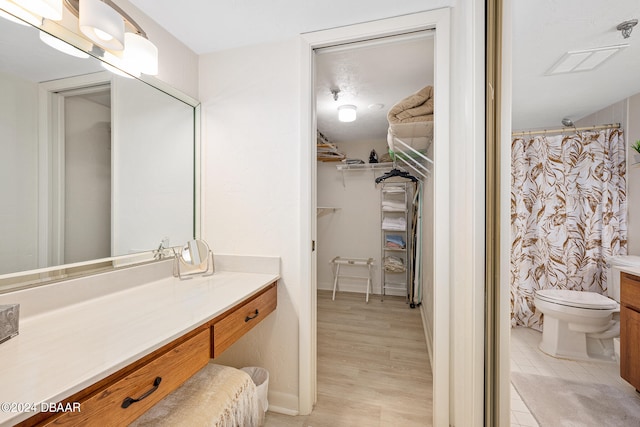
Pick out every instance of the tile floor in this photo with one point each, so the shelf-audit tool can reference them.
(527, 358)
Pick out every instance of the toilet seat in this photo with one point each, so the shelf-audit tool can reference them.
(577, 299)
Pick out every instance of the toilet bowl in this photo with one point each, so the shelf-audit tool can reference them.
(578, 325)
(582, 325)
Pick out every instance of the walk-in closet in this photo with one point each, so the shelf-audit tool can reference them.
(374, 190)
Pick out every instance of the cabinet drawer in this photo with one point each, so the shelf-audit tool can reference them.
(233, 325)
(630, 290)
(629, 346)
(173, 367)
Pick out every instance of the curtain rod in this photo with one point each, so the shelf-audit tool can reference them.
(575, 129)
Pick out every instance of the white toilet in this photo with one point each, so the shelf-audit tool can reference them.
(581, 325)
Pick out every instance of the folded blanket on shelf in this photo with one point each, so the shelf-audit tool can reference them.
(411, 120)
(417, 107)
(398, 224)
(394, 264)
(391, 204)
(394, 241)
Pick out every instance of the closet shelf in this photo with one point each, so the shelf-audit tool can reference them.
(362, 167)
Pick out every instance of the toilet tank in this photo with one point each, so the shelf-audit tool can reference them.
(613, 272)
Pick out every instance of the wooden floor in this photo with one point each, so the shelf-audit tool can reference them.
(373, 367)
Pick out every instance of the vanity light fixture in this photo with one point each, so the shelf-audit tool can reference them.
(140, 53)
(62, 46)
(50, 9)
(347, 113)
(101, 24)
(107, 25)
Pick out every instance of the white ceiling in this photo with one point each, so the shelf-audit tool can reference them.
(379, 73)
(369, 73)
(206, 26)
(543, 31)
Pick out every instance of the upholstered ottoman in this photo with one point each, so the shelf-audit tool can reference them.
(217, 395)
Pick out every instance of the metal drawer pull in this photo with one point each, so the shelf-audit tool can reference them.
(246, 319)
(129, 400)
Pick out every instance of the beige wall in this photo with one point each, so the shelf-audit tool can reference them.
(251, 138)
(633, 176)
(18, 174)
(352, 231)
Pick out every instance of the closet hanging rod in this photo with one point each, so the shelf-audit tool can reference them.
(569, 129)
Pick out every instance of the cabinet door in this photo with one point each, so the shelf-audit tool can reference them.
(630, 346)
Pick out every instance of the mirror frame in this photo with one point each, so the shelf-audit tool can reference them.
(43, 276)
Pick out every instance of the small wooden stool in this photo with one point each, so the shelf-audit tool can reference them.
(364, 262)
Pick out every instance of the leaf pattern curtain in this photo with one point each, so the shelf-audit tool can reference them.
(568, 214)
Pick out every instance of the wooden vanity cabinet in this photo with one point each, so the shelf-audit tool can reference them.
(232, 325)
(630, 329)
(103, 403)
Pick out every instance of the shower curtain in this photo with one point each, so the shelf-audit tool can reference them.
(568, 214)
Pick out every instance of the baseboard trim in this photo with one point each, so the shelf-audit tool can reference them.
(428, 333)
(283, 403)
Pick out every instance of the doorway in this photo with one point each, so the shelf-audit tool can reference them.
(76, 158)
(366, 342)
(595, 96)
(87, 174)
(438, 20)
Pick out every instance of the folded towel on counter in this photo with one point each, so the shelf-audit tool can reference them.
(394, 241)
(394, 264)
(398, 224)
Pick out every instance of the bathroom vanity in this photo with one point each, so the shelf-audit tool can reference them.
(630, 328)
(107, 355)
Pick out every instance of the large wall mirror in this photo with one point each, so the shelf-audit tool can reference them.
(93, 166)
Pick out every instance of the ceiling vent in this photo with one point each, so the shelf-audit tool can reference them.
(584, 60)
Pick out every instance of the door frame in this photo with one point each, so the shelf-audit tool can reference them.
(51, 154)
(440, 21)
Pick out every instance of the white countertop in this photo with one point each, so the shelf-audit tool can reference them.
(61, 351)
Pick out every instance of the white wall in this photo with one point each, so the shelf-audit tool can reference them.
(353, 230)
(251, 134)
(153, 149)
(18, 174)
(251, 141)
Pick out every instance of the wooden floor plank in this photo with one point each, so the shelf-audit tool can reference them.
(373, 367)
